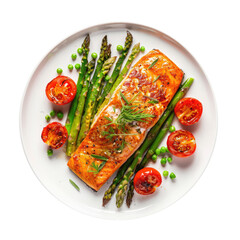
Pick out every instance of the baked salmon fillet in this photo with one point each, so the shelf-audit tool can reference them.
(113, 138)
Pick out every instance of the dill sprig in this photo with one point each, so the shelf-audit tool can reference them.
(74, 184)
(99, 157)
(156, 78)
(153, 63)
(129, 113)
(153, 100)
(96, 168)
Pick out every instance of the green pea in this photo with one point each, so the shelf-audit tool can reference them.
(119, 48)
(48, 118)
(163, 161)
(165, 173)
(59, 71)
(94, 55)
(154, 157)
(60, 115)
(77, 66)
(70, 67)
(167, 150)
(80, 51)
(163, 149)
(107, 78)
(169, 159)
(172, 129)
(172, 175)
(49, 152)
(74, 56)
(158, 151)
(142, 48)
(52, 113)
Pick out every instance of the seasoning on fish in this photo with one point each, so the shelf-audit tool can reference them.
(122, 125)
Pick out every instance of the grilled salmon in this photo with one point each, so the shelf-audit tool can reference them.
(144, 95)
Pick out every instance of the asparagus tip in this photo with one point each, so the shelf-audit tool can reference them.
(86, 40)
(105, 202)
(128, 33)
(104, 38)
(128, 202)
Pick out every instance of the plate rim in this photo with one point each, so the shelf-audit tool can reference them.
(102, 26)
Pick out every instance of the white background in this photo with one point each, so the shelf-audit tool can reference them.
(209, 30)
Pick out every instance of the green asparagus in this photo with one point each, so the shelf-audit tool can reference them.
(110, 191)
(72, 138)
(116, 71)
(107, 56)
(122, 75)
(148, 141)
(92, 98)
(83, 70)
(163, 131)
(100, 62)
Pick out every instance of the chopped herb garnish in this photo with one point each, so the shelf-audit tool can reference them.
(110, 135)
(99, 157)
(124, 98)
(153, 63)
(108, 118)
(111, 130)
(97, 168)
(128, 114)
(135, 97)
(153, 100)
(74, 184)
(123, 144)
(156, 78)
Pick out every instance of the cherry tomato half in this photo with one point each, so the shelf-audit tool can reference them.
(147, 180)
(61, 90)
(54, 135)
(188, 111)
(181, 143)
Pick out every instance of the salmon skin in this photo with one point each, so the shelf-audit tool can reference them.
(151, 84)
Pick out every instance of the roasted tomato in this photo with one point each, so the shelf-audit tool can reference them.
(147, 180)
(181, 143)
(54, 135)
(61, 90)
(188, 111)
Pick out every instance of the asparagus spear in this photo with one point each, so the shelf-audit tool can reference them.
(107, 56)
(148, 141)
(108, 52)
(72, 138)
(122, 75)
(100, 62)
(92, 98)
(156, 142)
(116, 71)
(163, 131)
(130, 193)
(108, 194)
(83, 70)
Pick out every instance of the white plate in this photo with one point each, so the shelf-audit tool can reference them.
(54, 173)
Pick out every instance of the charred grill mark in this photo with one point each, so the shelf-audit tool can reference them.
(144, 82)
(133, 73)
(152, 88)
(137, 74)
(159, 95)
(127, 84)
